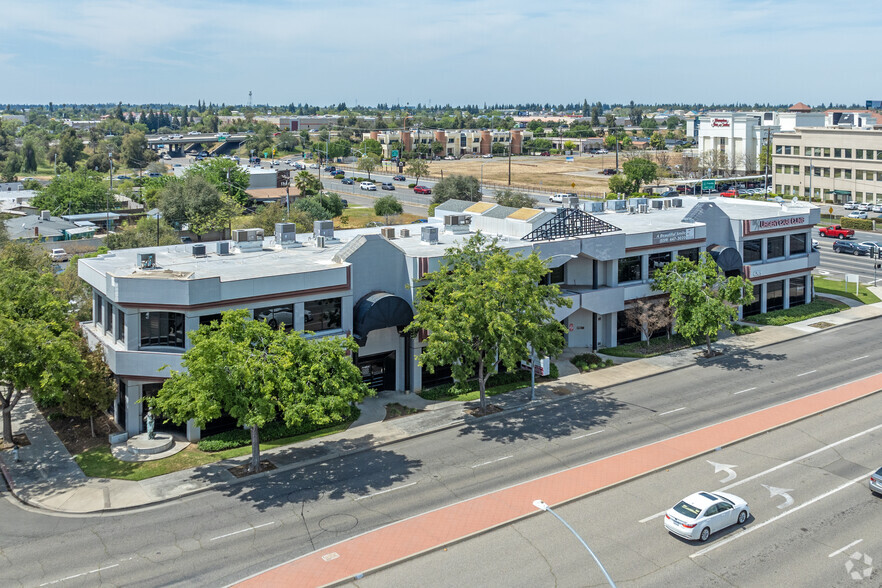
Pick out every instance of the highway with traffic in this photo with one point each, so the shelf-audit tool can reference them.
(221, 536)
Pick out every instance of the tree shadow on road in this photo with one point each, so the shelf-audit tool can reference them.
(741, 360)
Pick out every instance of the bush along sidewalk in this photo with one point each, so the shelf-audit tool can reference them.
(497, 384)
(588, 362)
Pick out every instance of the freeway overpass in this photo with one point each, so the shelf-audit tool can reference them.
(180, 143)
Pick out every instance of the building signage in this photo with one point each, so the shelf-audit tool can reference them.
(720, 122)
(772, 224)
(663, 237)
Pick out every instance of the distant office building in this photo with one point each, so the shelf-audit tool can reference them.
(455, 143)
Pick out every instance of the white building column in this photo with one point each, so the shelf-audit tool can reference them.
(134, 409)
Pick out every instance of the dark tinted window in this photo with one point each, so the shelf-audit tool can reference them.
(690, 254)
(624, 332)
(753, 250)
(207, 319)
(797, 291)
(798, 243)
(658, 261)
(322, 315)
(775, 295)
(276, 316)
(775, 247)
(754, 307)
(162, 329)
(629, 269)
(121, 317)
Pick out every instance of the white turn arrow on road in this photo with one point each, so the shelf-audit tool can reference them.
(788, 500)
(723, 467)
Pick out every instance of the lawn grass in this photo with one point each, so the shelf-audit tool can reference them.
(100, 463)
(818, 307)
(656, 346)
(828, 286)
(358, 216)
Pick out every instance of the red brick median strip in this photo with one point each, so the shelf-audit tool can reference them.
(434, 529)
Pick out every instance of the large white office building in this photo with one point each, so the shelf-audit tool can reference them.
(362, 282)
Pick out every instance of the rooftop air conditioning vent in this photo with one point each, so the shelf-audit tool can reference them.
(146, 261)
(388, 232)
(223, 247)
(429, 235)
(199, 250)
(404, 234)
(657, 204)
(320, 241)
(642, 208)
(677, 202)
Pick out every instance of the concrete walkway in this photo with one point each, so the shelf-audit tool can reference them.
(48, 477)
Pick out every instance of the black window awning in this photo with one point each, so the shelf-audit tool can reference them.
(727, 258)
(379, 310)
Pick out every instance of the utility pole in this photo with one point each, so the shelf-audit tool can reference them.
(509, 157)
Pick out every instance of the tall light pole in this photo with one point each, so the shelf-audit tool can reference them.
(509, 157)
(542, 506)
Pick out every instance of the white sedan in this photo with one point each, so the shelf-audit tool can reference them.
(700, 514)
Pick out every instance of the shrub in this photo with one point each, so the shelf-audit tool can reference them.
(411, 186)
(554, 373)
(590, 362)
(859, 224)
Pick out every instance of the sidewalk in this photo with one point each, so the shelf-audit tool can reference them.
(47, 476)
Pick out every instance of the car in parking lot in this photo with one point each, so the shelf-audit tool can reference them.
(59, 255)
(450, 157)
(851, 247)
(850, 205)
(864, 206)
(877, 207)
(419, 221)
(700, 514)
(815, 244)
(857, 214)
(370, 186)
(422, 190)
(123, 178)
(399, 178)
(876, 482)
(348, 181)
(387, 186)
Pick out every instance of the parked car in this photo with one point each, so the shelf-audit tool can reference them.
(387, 186)
(545, 154)
(487, 156)
(422, 190)
(609, 172)
(193, 133)
(700, 514)
(399, 178)
(348, 181)
(450, 157)
(815, 244)
(558, 197)
(857, 214)
(876, 482)
(123, 178)
(154, 175)
(419, 221)
(329, 168)
(850, 205)
(837, 232)
(370, 186)
(877, 207)
(851, 247)
(873, 245)
(731, 193)
(863, 206)
(670, 194)
(59, 255)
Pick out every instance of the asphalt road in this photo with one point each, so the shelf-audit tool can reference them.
(805, 484)
(217, 537)
(837, 265)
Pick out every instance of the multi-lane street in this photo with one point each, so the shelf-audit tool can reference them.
(218, 537)
(837, 265)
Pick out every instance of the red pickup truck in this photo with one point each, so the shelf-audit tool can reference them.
(837, 232)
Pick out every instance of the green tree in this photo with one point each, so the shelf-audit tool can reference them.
(704, 300)
(368, 163)
(225, 175)
(142, 234)
(74, 193)
(98, 162)
(483, 307)
(94, 391)
(265, 217)
(640, 171)
(75, 290)
(70, 148)
(307, 183)
(38, 347)
(288, 141)
(418, 168)
(514, 198)
(253, 373)
(11, 167)
(456, 187)
(656, 141)
(30, 153)
(134, 152)
(619, 184)
(196, 202)
(372, 146)
(387, 206)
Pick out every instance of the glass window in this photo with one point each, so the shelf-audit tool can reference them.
(276, 316)
(837, 172)
(847, 153)
(798, 243)
(322, 315)
(775, 247)
(556, 275)
(826, 152)
(207, 319)
(858, 153)
(774, 295)
(796, 149)
(658, 261)
(690, 254)
(753, 250)
(779, 168)
(754, 307)
(121, 321)
(817, 151)
(837, 152)
(787, 149)
(847, 173)
(797, 291)
(99, 309)
(108, 312)
(779, 149)
(630, 269)
(624, 332)
(162, 329)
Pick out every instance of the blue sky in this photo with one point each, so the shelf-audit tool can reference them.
(438, 52)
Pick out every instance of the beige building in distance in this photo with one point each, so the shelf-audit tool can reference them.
(456, 142)
(829, 164)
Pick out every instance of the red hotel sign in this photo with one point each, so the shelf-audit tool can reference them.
(719, 122)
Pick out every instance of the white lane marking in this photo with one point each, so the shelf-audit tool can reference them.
(859, 358)
(773, 491)
(805, 373)
(384, 491)
(491, 461)
(838, 551)
(670, 411)
(95, 571)
(743, 391)
(780, 516)
(779, 466)
(588, 434)
(724, 467)
(242, 531)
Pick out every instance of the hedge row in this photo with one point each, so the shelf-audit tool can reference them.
(445, 391)
(860, 224)
(269, 432)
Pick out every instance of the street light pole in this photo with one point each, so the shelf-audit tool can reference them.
(542, 506)
(509, 157)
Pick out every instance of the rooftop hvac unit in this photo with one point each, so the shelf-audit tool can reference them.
(429, 235)
(319, 241)
(248, 235)
(223, 247)
(667, 203)
(632, 209)
(323, 228)
(571, 202)
(388, 232)
(285, 233)
(404, 234)
(199, 250)
(617, 205)
(451, 219)
(677, 202)
(146, 260)
(642, 208)
(657, 204)
(45, 215)
(594, 206)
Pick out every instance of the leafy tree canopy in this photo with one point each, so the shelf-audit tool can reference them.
(640, 171)
(74, 193)
(225, 175)
(456, 187)
(196, 202)
(514, 198)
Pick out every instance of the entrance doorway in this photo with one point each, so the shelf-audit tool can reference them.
(378, 371)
